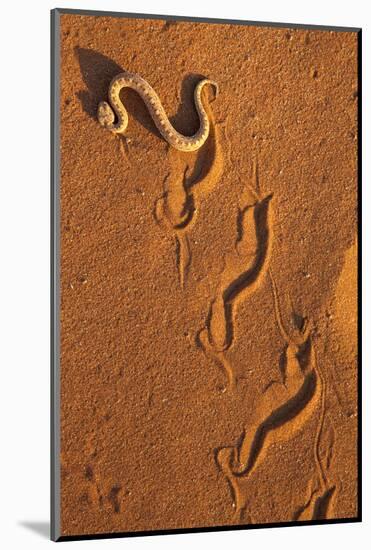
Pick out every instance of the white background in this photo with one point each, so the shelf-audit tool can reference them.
(24, 270)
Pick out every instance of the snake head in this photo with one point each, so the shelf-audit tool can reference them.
(105, 115)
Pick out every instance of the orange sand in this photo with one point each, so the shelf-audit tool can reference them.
(193, 391)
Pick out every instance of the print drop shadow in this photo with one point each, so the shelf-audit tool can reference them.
(42, 528)
(97, 71)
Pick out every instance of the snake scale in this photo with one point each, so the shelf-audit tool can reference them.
(107, 111)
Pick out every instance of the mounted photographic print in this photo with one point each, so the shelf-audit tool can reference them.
(205, 192)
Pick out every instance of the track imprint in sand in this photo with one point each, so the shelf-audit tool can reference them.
(317, 506)
(281, 411)
(244, 270)
(97, 496)
(190, 179)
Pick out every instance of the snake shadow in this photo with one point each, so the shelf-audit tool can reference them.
(97, 71)
(187, 118)
(186, 121)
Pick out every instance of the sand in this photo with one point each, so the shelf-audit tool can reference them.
(208, 299)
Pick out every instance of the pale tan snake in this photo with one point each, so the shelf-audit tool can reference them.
(107, 111)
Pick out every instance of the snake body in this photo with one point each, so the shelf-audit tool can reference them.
(107, 111)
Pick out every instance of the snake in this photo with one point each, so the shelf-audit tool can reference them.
(109, 112)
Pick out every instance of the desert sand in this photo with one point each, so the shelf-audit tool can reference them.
(208, 298)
